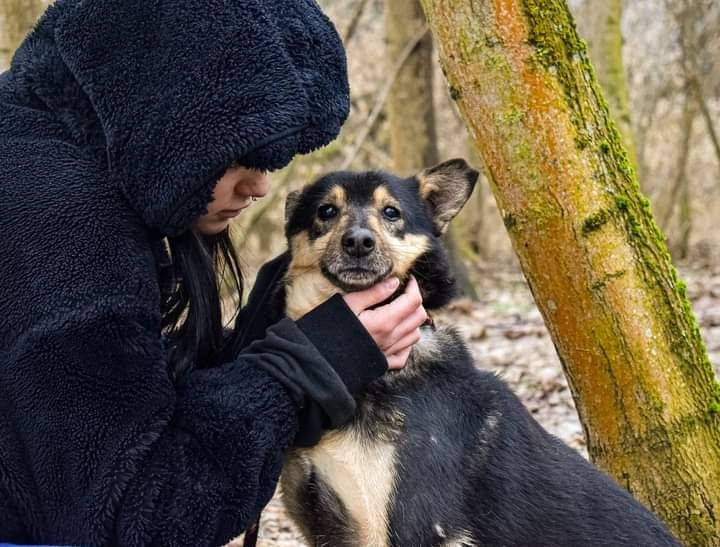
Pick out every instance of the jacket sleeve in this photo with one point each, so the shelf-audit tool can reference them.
(116, 453)
(107, 439)
(329, 327)
(120, 455)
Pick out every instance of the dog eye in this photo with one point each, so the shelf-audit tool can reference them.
(391, 213)
(326, 212)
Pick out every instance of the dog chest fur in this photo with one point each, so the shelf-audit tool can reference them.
(361, 473)
(358, 464)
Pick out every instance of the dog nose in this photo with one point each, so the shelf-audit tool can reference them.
(358, 242)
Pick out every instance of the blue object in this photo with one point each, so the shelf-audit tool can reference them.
(26, 545)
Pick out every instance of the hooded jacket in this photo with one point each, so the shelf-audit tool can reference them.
(117, 118)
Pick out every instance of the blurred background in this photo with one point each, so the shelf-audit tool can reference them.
(658, 59)
(658, 62)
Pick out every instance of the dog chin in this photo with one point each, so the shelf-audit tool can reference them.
(355, 279)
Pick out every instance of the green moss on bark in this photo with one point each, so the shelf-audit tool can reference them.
(595, 221)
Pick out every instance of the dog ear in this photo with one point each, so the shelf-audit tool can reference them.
(446, 187)
(291, 202)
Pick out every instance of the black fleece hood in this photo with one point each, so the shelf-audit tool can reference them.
(180, 90)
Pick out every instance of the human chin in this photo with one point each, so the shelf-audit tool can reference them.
(209, 225)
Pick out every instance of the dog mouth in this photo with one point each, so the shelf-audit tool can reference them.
(356, 278)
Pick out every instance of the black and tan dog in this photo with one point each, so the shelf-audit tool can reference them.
(439, 453)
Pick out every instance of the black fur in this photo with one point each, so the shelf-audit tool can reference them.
(471, 466)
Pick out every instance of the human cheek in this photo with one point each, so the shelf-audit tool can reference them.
(222, 199)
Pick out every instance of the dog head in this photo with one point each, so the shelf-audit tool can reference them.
(355, 229)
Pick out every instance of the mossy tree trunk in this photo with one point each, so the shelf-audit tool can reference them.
(592, 254)
(599, 25)
(17, 17)
(413, 138)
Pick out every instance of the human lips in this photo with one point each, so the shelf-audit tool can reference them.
(230, 213)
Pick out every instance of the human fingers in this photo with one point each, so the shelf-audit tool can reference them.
(399, 359)
(388, 337)
(405, 342)
(388, 323)
(412, 322)
(387, 334)
(359, 301)
(403, 306)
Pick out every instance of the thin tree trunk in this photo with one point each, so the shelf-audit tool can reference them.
(599, 25)
(707, 117)
(685, 220)
(691, 42)
(354, 20)
(681, 188)
(17, 17)
(478, 229)
(593, 256)
(689, 113)
(413, 139)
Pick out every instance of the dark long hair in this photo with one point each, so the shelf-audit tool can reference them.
(191, 285)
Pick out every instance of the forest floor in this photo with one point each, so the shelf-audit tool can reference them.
(507, 335)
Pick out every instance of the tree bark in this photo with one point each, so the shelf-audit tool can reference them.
(16, 18)
(593, 256)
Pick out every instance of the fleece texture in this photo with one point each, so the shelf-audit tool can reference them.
(325, 409)
(117, 117)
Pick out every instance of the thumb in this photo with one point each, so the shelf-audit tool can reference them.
(361, 300)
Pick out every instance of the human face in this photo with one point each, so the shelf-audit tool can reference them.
(233, 193)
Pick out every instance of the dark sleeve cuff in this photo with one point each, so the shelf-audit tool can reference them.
(342, 340)
(321, 395)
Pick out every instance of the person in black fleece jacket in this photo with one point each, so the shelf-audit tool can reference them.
(117, 120)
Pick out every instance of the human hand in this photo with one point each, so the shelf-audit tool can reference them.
(395, 327)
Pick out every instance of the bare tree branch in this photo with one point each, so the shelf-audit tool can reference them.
(382, 96)
(354, 20)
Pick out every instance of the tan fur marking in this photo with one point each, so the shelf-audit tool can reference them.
(403, 251)
(428, 184)
(306, 287)
(362, 475)
(406, 251)
(383, 198)
(307, 293)
(337, 196)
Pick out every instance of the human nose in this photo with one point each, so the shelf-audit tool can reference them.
(256, 185)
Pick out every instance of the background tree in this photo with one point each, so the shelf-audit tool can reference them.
(595, 260)
(16, 18)
(692, 40)
(599, 25)
(411, 111)
(679, 194)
